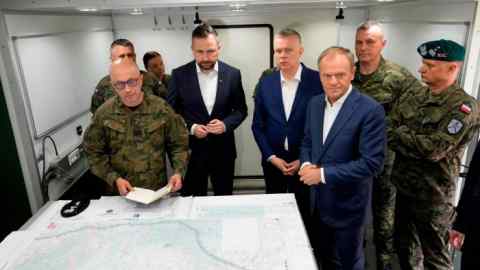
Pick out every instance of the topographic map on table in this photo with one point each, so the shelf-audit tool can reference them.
(247, 232)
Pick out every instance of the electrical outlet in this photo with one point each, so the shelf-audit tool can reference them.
(73, 156)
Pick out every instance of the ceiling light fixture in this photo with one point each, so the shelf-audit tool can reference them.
(197, 17)
(238, 7)
(340, 14)
(340, 6)
(136, 11)
(87, 9)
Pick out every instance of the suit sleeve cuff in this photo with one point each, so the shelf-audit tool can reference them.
(224, 127)
(305, 164)
(192, 129)
(322, 175)
(269, 159)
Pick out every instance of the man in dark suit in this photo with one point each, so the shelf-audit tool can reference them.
(279, 118)
(467, 224)
(209, 95)
(343, 149)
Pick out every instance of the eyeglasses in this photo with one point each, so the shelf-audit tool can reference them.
(121, 85)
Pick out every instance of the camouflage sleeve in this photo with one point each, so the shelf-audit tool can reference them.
(98, 99)
(166, 80)
(177, 142)
(152, 86)
(95, 146)
(453, 130)
(393, 120)
(401, 82)
(403, 91)
(161, 91)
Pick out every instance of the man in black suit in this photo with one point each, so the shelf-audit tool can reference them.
(467, 224)
(209, 95)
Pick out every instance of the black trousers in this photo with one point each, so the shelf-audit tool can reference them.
(470, 251)
(276, 182)
(219, 170)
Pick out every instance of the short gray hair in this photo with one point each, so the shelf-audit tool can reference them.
(369, 24)
(334, 50)
(289, 32)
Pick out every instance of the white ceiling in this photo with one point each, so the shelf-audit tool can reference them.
(188, 6)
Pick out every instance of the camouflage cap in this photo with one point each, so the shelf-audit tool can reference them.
(442, 50)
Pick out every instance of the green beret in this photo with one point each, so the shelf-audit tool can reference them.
(442, 50)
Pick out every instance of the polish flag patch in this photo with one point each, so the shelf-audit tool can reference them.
(465, 109)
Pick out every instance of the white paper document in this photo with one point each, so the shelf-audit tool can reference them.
(147, 196)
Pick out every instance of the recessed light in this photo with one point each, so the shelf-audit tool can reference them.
(340, 4)
(87, 9)
(386, 0)
(136, 11)
(237, 7)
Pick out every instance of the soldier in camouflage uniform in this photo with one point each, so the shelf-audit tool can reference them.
(384, 81)
(122, 48)
(153, 63)
(430, 128)
(130, 134)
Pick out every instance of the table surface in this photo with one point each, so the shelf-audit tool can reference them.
(222, 232)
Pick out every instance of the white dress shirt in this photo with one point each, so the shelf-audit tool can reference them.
(208, 82)
(289, 91)
(331, 112)
(208, 86)
(329, 116)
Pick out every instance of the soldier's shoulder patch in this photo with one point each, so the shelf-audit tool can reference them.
(454, 126)
(466, 109)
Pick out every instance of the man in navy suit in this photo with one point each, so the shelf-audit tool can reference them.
(209, 95)
(279, 118)
(343, 149)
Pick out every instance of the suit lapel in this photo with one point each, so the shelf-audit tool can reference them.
(321, 115)
(277, 96)
(299, 96)
(197, 92)
(221, 94)
(343, 116)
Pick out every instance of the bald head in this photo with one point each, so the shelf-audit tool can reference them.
(125, 65)
(127, 81)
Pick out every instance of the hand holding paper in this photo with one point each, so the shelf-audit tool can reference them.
(147, 196)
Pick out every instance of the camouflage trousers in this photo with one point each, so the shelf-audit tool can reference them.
(422, 233)
(383, 206)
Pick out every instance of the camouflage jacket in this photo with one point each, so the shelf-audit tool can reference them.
(163, 86)
(104, 89)
(386, 84)
(429, 134)
(166, 80)
(133, 144)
